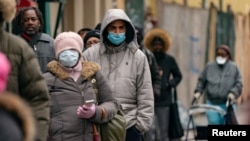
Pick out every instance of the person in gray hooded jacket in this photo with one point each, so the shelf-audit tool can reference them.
(127, 71)
(221, 81)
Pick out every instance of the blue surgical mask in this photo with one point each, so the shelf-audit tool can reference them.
(69, 58)
(116, 39)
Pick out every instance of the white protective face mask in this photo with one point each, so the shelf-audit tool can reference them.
(69, 58)
(220, 60)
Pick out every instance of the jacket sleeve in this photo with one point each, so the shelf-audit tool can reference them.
(201, 81)
(105, 99)
(156, 79)
(177, 76)
(145, 97)
(237, 89)
(34, 89)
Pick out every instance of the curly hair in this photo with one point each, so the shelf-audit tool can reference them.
(7, 10)
(20, 14)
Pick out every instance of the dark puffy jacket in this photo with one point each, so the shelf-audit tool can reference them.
(167, 64)
(26, 79)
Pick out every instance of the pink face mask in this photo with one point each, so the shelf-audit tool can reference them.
(4, 71)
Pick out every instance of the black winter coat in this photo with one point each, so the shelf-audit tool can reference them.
(170, 68)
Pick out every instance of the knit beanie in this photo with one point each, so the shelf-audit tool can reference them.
(66, 41)
(93, 33)
(4, 71)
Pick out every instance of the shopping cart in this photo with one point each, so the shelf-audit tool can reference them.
(199, 131)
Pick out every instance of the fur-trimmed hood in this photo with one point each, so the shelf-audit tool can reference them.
(157, 32)
(88, 69)
(14, 104)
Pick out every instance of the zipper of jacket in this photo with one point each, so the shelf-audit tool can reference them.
(35, 49)
(109, 66)
(80, 88)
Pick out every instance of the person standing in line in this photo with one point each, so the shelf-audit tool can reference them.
(153, 133)
(158, 41)
(25, 78)
(98, 26)
(126, 69)
(221, 81)
(31, 23)
(70, 85)
(91, 38)
(16, 119)
(82, 32)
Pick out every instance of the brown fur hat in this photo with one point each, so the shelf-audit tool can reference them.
(88, 69)
(160, 33)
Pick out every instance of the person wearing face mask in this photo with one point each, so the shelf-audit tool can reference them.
(220, 81)
(70, 85)
(158, 41)
(126, 69)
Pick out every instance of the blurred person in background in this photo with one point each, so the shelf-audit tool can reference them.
(221, 81)
(82, 32)
(91, 38)
(70, 84)
(126, 69)
(98, 26)
(158, 41)
(153, 133)
(16, 119)
(25, 78)
(31, 23)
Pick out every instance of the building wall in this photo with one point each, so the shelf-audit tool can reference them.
(88, 13)
(238, 6)
(79, 14)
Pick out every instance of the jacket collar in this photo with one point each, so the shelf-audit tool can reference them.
(88, 69)
(131, 46)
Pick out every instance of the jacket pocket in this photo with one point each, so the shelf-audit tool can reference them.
(55, 127)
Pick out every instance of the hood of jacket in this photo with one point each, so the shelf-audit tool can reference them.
(14, 104)
(88, 69)
(157, 32)
(119, 14)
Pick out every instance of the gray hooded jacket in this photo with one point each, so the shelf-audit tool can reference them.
(127, 72)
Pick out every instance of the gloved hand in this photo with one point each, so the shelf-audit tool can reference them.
(197, 95)
(231, 96)
(85, 111)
